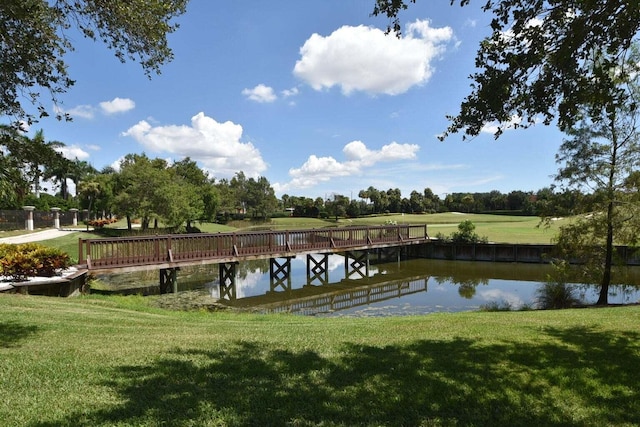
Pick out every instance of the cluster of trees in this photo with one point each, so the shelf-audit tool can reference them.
(142, 189)
(27, 163)
(175, 194)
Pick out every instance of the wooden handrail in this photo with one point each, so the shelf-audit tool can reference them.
(159, 249)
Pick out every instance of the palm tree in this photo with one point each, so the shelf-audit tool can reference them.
(90, 189)
(58, 169)
(80, 170)
(41, 160)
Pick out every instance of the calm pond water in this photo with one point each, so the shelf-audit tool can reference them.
(390, 289)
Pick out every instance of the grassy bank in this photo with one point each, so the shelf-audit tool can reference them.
(93, 361)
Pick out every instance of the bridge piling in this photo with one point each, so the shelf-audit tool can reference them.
(318, 270)
(227, 274)
(169, 280)
(280, 274)
(359, 265)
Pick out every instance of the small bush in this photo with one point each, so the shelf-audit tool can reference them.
(442, 237)
(556, 296)
(466, 234)
(100, 223)
(556, 293)
(19, 262)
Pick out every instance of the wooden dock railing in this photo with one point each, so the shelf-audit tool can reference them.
(114, 253)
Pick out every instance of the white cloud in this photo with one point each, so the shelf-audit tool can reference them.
(216, 146)
(72, 152)
(365, 59)
(116, 165)
(260, 93)
(356, 150)
(117, 105)
(508, 36)
(290, 92)
(86, 111)
(321, 169)
(493, 127)
(79, 111)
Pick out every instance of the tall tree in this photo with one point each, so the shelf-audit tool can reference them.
(40, 159)
(35, 38)
(260, 197)
(137, 187)
(602, 156)
(337, 206)
(204, 203)
(416, 202)
(544, 60)
(239, 188)
(90, 190)
(394, 199)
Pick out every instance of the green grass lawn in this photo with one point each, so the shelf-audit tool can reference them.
(117, 361)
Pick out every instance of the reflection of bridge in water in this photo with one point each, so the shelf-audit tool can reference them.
(326, 297)
(312, 299)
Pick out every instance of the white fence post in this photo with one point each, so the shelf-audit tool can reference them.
(28, 222)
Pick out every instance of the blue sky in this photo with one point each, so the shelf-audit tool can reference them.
(309, 94)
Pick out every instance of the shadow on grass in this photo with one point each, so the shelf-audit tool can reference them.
(574, 377)
(11, 333)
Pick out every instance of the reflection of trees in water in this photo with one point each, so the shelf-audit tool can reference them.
(246, 268)
(466, 285)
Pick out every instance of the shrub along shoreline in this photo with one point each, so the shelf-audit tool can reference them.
(93, 361)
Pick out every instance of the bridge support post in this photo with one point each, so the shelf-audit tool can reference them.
(359, 264)
(227, 273)
(390, 254)
(169, 280)
(280, 274)
(318, 270)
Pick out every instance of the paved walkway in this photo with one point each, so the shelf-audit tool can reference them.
(38, 236)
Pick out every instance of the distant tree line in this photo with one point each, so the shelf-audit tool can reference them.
(544, 202)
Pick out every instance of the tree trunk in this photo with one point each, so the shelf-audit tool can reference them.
(129, 227)
(64, 192)
(603, 298)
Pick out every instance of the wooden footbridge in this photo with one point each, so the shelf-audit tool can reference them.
(167, 253)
